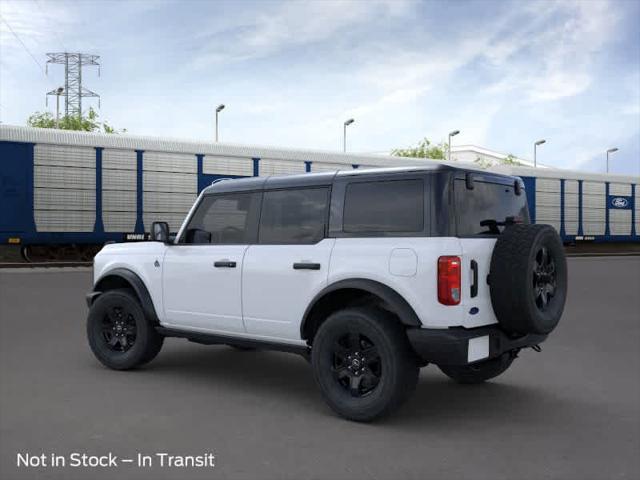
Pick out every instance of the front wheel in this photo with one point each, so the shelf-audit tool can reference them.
(478, 372)
(363, 363)
(119, 334)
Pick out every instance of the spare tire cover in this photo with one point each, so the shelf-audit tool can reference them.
(528, 279)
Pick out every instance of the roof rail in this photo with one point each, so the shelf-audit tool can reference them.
(220, 180)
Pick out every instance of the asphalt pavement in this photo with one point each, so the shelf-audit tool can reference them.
(569, 412)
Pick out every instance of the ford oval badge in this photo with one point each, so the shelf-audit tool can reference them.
(619, 202)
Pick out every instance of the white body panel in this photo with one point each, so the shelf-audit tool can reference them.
(264, 297)
(274, 295)
(140, 258)
(375, 259)
(198, 295)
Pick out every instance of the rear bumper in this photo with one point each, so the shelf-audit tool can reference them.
(461, 346)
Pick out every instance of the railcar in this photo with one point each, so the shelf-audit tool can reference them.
(582, 206)
(65, 192)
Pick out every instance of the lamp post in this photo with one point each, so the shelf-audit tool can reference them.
(59, 91)
(451, 134)
(344, 133)
(535, 151)
(611, 150)
(219, 108)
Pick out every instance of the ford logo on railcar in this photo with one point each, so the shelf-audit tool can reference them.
(619, 202)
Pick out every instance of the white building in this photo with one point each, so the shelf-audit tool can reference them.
(484, 156)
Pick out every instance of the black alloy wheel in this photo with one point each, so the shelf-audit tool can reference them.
(119, 328)
(363, 363)
(357, 366)
(544, 278)
(119, 333)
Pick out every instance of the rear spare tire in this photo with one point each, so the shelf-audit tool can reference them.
(528, 279)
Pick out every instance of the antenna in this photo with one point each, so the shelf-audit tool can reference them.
(74, 92)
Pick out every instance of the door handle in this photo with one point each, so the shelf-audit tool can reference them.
(306, 266)
(474, 284)
(224, 264)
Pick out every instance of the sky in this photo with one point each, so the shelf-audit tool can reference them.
(503, 73)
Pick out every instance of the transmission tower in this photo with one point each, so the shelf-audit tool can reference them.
(73, 92)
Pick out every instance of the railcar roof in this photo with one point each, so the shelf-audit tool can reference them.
(13, 133)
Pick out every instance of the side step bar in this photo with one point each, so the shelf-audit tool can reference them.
(213, 339)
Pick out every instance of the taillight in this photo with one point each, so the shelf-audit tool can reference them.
(449, 280)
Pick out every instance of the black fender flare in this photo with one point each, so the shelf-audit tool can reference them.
(137, 286)
(389, 296)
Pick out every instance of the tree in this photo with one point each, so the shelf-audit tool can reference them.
(424, 149)
(508, 160)
(88, 123)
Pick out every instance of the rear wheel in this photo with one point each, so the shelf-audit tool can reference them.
(478, 372)
(363, 363)
(119, 334)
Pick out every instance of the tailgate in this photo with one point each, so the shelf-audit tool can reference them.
(476, 297)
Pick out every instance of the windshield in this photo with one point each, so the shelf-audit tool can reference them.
(487, 201)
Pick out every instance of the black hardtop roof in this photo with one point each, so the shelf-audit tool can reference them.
(224, 185)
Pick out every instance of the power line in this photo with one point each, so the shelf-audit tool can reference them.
(54, 32)
(23, 45)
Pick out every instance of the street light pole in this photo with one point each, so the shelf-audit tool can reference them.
(535, 152)
(59, 91)
(451, 134)
(219, 108)
(611, 150)
(344, 133)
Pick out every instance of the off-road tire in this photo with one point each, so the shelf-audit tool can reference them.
(396, 363)
(478, 372)
(121, 308)
(528, 293)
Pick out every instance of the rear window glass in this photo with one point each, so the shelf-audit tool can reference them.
(487, 201)
(392, 206)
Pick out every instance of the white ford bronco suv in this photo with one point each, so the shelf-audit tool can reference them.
(369, 274)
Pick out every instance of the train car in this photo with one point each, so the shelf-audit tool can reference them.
(582, 206)
(65, 190)
(68, 193)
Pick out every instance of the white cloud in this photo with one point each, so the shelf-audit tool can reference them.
(559, 45)
(289, 24)
(38, 25)
(292, 72)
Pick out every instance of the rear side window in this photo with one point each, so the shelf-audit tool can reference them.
(487, 201)
(226, 218)
(391, 206)
(294, 216)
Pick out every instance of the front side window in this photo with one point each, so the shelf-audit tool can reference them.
(294, 216)
(487, 201)
(389, 206)
(223, 219)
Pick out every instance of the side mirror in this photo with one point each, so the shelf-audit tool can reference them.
(160, 232)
